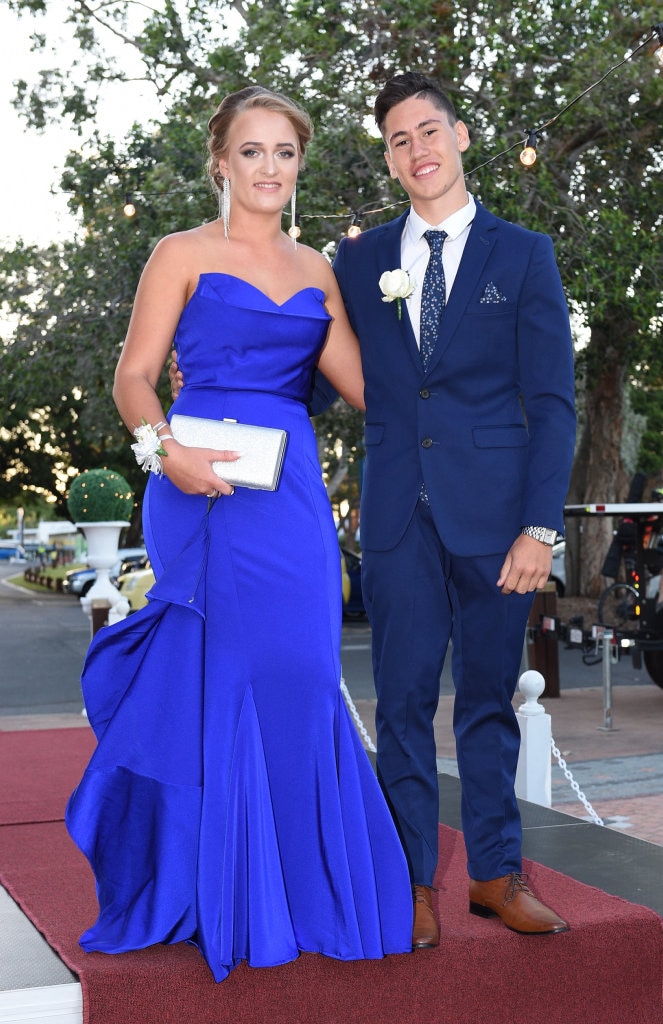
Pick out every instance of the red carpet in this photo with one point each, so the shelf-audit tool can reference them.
(38, 771)
(606, 970)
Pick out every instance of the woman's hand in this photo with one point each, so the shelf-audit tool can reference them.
(190, 469)
(175, 376)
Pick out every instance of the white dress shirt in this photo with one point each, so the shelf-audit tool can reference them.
(415, 252)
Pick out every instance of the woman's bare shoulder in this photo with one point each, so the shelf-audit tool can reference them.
(188, 242)
(317, 266)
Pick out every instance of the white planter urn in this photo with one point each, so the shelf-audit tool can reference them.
(102, 547)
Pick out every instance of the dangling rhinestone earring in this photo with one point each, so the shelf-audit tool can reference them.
(225, 206)
(294, 230)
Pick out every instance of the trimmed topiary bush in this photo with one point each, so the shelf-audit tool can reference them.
(100, 495)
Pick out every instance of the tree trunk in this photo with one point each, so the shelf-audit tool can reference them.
(598, 473)
(338, 478)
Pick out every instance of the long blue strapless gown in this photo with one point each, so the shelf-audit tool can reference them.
(229, 801)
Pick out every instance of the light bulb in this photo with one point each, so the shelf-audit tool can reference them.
(295, 231)
(129, 210)
(355, 228)
(528, 155)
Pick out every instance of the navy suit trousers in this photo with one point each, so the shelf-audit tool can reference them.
(419, 598)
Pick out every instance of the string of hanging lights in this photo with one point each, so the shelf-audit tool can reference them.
(528, 154)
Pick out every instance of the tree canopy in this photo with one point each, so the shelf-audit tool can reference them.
(510, 67)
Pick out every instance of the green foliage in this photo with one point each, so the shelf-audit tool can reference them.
(100, 495)
(648, 401)
(509, 65)
(35, 510)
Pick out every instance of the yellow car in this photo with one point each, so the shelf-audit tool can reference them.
(345, 580)
(135, 585)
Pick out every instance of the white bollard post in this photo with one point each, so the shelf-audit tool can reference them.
(534, 766)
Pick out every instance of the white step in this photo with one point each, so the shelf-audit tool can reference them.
(36, 987)
(54, 1004)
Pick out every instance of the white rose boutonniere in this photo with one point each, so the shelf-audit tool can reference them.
(396, 285)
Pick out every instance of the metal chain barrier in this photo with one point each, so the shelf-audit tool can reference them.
(555, 749)
(355, 714)
(574, 785)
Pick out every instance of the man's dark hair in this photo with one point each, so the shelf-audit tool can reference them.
(402, 87)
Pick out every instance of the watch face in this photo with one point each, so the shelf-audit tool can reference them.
(541, 533)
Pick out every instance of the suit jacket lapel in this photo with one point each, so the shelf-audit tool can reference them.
(478, 247)
(389, 258)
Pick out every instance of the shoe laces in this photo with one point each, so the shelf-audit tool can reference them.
(516, 883)
(417, 893)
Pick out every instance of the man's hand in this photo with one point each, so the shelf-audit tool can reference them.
(175, 376)
(526, 567)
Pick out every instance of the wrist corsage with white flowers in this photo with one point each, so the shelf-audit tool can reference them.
(148, 448)
(396, 285)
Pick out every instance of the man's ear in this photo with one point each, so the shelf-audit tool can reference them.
(462, 135)
(391, 167)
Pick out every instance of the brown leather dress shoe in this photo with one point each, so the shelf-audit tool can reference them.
(512, 900)
(425, 931)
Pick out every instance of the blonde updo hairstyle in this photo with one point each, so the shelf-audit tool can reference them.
(255, 96)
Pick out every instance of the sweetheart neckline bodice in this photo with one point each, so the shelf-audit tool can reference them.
(255, 288)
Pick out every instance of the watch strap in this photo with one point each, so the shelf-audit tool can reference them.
(542, 533)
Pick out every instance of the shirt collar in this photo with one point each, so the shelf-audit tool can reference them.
(453, 225)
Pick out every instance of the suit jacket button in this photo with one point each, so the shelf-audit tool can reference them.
(424, 393)
(427, 442)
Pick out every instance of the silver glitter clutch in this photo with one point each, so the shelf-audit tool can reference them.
(261, 448)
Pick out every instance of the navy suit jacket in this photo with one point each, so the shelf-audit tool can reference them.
(490, 426)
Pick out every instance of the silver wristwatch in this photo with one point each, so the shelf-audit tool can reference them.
(542, 533)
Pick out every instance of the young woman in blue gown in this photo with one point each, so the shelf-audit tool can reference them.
(229, 802)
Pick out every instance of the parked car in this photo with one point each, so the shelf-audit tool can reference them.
(8, 549)
(558, 570)
(132, 563)
(353, 604)
(135, 585)
(79, 581)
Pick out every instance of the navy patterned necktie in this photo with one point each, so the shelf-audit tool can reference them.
(432, 296)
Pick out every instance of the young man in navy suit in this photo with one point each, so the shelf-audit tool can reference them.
(466, 474)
